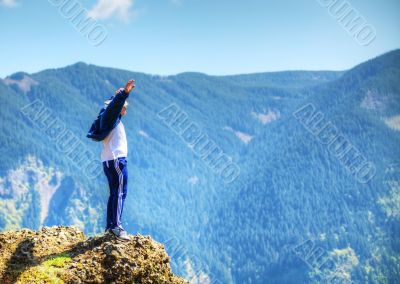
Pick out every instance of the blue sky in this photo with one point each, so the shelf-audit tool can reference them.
(215, 37)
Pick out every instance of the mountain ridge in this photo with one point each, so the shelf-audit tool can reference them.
(289, 185)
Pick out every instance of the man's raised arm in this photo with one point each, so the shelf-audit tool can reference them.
(113, 110)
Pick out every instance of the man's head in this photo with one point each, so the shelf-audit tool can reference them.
(123, 111)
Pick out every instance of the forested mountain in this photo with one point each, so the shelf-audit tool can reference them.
(316, 153)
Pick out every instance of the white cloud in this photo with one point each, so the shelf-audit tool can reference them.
(8, 3)
(105, 9)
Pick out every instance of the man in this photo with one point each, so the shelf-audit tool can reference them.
(109, 129)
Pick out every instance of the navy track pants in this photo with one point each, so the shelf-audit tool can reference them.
(116, 172)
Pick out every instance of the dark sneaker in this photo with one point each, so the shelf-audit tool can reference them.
(120, 234)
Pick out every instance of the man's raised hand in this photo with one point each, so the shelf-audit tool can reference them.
(129, 86)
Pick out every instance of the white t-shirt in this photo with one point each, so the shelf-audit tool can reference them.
(115, 144)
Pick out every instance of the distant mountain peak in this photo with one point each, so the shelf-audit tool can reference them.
(22, 80)
(80, 64)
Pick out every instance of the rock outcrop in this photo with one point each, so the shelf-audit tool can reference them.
(64, 255)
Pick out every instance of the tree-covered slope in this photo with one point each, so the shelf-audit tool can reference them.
(300, 187)
(293, 185)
